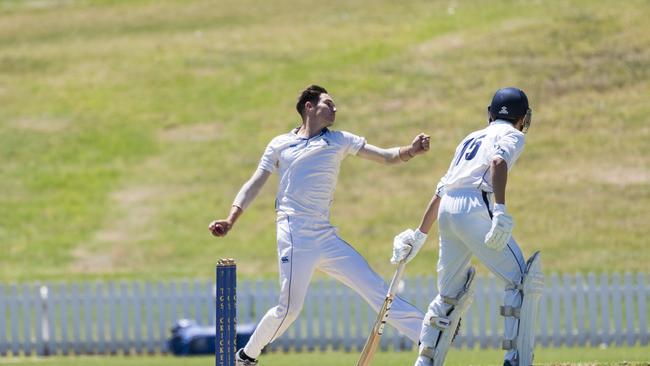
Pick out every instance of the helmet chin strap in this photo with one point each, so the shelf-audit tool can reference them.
(489, 115)
(528, 118)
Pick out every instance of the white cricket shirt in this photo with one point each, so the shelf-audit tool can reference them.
(471, 164)
(308, 169)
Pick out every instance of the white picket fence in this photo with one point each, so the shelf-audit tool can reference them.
(136, 317)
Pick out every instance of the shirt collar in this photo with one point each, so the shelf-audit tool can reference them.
(294, 132)
(501, 122)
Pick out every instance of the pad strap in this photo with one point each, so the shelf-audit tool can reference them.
(508, 344)
(440, 322)
(427, 352)
(510, 311)
(512, 286)
(452, 300)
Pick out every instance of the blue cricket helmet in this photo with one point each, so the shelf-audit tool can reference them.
(509, 103)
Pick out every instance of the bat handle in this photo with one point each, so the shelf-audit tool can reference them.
(396, 278)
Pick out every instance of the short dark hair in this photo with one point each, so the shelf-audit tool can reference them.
(310, 94)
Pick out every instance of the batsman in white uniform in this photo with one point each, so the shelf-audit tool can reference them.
(469, 205)
(307, 160)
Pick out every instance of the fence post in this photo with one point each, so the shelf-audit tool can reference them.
(580, 309)
(112, 323)
(335, 321)
(137, 318)
(62, 297)
(629, 310)
(76, 324)
(161, 301)
(173, 302)
(45, 322)
(568, 310)
(543, 318)
(604, 303)
(125, 343)
(345, 295)
(13, 316)
(293, 339)
(309, 337)
(26, 304)
(359, 339)
(3, 325)
(593, 309)
(555, 306)
(321, 317)
(88, 319)
(148, 308)
(184, 297)
(617, 298)
(641, 298)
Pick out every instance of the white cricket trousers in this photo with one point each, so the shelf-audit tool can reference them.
(305, 245)
(464, 218)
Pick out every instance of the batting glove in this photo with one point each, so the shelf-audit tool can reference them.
(407, 244)
(499, 235)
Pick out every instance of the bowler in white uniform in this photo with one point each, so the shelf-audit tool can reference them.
(307, 160)
(469, 205)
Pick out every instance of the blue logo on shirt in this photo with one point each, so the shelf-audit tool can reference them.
(285, 259)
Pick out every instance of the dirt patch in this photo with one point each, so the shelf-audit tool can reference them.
(114, 244)
(47, 4)
(455, 40)
(192, 133)
(41, 124)
(619, 176)
(444, 42)
(623, 176)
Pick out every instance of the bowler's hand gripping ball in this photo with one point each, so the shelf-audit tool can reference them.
(219, 230)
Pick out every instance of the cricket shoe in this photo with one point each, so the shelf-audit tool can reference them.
(240, 361)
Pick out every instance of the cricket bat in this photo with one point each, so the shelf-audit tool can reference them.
(372, 343)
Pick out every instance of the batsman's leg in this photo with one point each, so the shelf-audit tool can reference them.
(508, 264)
(531, 289)
(524, 285)
(454, 281)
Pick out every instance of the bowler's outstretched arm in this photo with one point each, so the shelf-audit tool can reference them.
(246, 195)
(395, 155)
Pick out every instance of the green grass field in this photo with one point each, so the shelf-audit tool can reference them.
(463, 357)
(127, 126)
